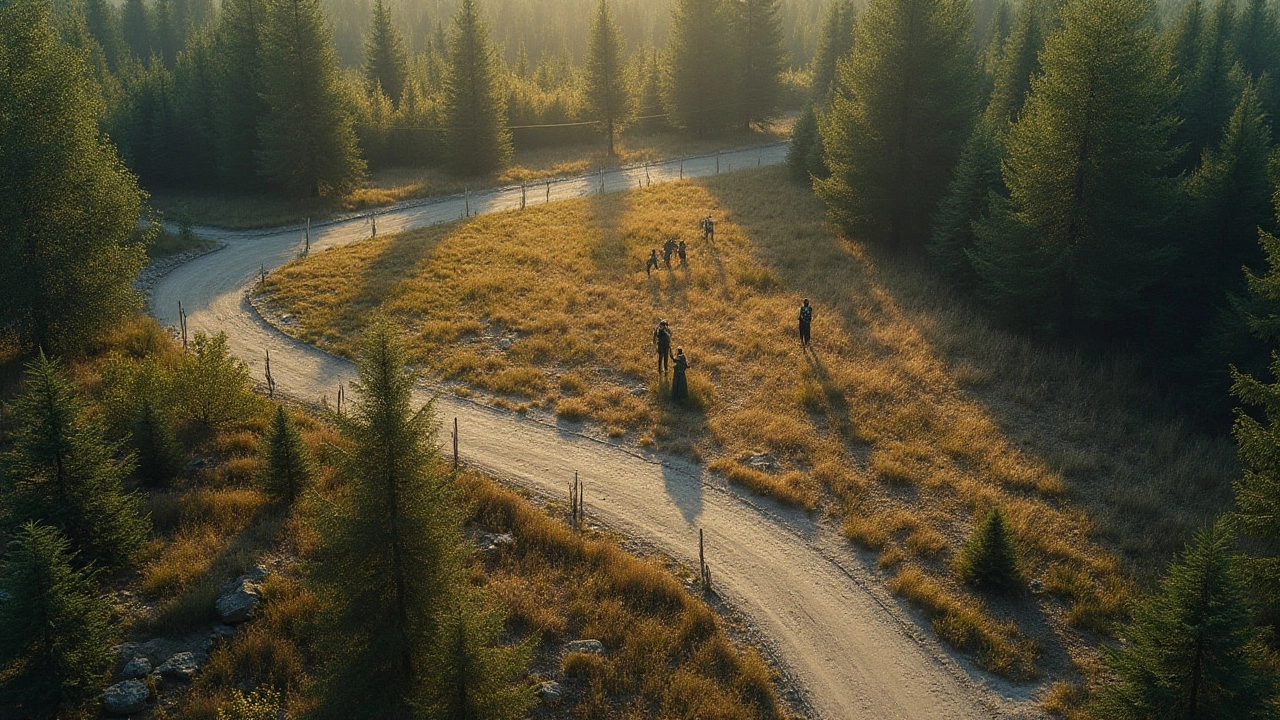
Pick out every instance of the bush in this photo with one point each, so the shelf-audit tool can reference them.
(261, 704)
(158, 453)
(212, 388)
(989, 558)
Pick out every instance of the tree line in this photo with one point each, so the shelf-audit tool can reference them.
(1095, 177)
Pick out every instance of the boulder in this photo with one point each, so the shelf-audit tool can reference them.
(585, 646)
(238, 603)
(125, 698)
(136, 669)
(551, 692)
(763, 462)
(179, 667)
(490, 542)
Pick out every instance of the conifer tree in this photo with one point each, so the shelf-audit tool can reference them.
(804, 138)
(53, 625)
(1203, 57)
(391, 557)
(308, 137)
(1191, 650)
(1087, 173)
(158, 453)
(698, 87)
(62, 471)
(608, 100)
(135, 24)
(475, 109)
(287, 470)
(989, 558)
(386, 62)
(977, 176)
(165, 33)
(481, 675)
(68, 254)
(241, 106)
(1257, 40)
(760, 58)
(651, 108)
(103, 22)
(1258, 490)
(904, 107)
(1019, 61)
(835, 42)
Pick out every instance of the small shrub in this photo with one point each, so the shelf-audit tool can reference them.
(261, 704)
(285, 469)
(212, 388)
(758, 278)
(989, 558)
(572, 409)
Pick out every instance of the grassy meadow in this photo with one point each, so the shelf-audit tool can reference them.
(392, 185)
(909, 420)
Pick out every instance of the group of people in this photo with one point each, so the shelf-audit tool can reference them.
(669, 248)
(679, 380)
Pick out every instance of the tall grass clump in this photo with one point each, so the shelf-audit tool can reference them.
(989, 558)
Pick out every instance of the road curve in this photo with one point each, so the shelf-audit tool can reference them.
(844, 644)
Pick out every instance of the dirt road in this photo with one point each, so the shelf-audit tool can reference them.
(846, 645)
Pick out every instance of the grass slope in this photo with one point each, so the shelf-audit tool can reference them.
(910, 420)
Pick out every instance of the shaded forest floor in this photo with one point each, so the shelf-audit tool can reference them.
(392, 185)
(911, 418)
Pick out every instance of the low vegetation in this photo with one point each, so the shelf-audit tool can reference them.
(912, 418)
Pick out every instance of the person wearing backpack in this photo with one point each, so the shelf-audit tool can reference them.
(806, 322)
(662, 338)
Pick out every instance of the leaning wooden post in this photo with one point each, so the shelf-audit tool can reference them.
(182, 325)
(308, 235)
(455, 443)
(522, 196)
(466, 194)
(271, 383)
(548, 191)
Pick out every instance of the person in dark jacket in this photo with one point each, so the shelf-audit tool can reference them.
(662, 338)
(652, 263)
(682, 251)
(668, 249)
(806, 322)
(679, 383)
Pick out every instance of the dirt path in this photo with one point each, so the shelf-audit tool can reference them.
(848, 647)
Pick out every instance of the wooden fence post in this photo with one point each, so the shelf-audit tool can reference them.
(455, 443)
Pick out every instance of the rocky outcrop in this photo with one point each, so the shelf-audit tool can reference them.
(585, 646)
(182, 667)
(551, 692)
(136, 669)
(125, 698)
(241, 597)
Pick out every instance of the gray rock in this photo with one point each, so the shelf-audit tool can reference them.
(490, 542)
(763, 462)
(237, 604)
(179, 667)
(504, 344)
(585, 646)
(154, 648)
(125, 651)
(125, 698)
(136, 669)
(551, 692)
(196, 464)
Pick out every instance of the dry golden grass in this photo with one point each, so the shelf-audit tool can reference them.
(393, 185)
(913, 417)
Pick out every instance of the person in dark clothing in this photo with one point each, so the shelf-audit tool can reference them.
(652, 263)
(806, 321)
(682, 251)
(679, 383)
(668, 249)
(662, 338)
(708, 229)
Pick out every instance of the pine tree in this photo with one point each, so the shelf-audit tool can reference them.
(135, 24)
(62, 471)
(54, 627)
(977, 176)
(804, 138)
(989, 558)
(651, 108)
(308, 137)
(835, 42)
(103, 23)
(391, 557)
(1257, 40)
(475, 109)
(67, 251)
(158, 453)
(479, 675)
(1202, 56)
(1087, 172)
(386, 62)
(698, 86)
(1191, 650)
(241, 106)
(760, 58)
(1019, 61)
(902, 113)
(166, 38)
(1258, 490)
(287, 470)
(608, 100)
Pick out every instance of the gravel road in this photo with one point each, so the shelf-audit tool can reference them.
(849, 649)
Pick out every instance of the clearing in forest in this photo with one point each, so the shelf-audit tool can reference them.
(909, 420)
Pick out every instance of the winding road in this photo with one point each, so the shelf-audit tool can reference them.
(849, 649)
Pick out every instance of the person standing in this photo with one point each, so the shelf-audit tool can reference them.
(680, 383)
(668, 249)
(806, 322)
(652, 263)
(662, 338)
(682, 250)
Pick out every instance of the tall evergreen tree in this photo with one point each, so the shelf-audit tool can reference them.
(241, 105)
(1257, 39)
(62, 471)
(135, 23)
(67, 249)
(760, 58)
(698, 88)
(1202, 56)
(1258, 491)
(53, 626)
(287, 470)
(308, 136)
(1087, 172)
(1019, 61)
(157, 450)
(391, 558)
(475, 110)
(166, 36)
(651, 108)
(386, 62)
(608, 100)
(103, 22)
(977, 176)
(835, 42)
(480, 674)
(904, 108)
(1191, 650)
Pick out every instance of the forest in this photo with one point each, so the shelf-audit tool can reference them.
(1100, 177)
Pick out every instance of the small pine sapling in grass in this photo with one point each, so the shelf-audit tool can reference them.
(287, 470)
(54, 630)
(989, 558)
(477, 676)
(158, 453)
